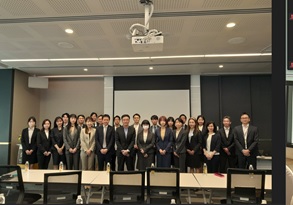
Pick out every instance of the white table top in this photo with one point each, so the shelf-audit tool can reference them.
(37, 175)
(214, 182)
(187, 180)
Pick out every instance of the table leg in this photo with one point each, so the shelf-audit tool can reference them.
(189, 198)
(102, 194)
(88, 195)
(210, 197)
(204, 196)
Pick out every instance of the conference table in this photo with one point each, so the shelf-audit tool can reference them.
(214, 182)
(101, 178)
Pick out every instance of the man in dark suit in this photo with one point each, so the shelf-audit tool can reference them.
(105, 138)
(227, 151)
(138, 128)
(124, 137)
(155, 126)
(80, 121)
(246, 142)
(183, 118)
(116, 124)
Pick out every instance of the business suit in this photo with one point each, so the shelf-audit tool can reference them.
(113, 157)
(72, 140)
(164, 143)
(252, 145)
(125, 143)
(44, 143)
(110, 140)
(153, 129)
(57, 139)
(203, 131)
(135, 150)
(215, 145)
(227, 142)
(87, 142)
(180, 149)
(147, 158)
(26, 145)
(194, 143)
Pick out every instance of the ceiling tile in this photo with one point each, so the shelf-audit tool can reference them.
(98, 44)
(87, 29)
(221, 3)
(70, 7)
(210, 23)
(171, 4)
(120, 6)
(49, 30)
(21, 8)
(14, 31)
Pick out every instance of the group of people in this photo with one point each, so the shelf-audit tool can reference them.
(164, 142)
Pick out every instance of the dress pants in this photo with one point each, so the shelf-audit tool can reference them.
(124, 159)
(103, 159)
(72, 160)
(244, 162)
(224, 159)
(179, 162)
(87, 162)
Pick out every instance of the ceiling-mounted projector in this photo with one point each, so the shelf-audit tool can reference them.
(147, 44)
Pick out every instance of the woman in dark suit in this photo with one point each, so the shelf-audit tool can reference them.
(193, 144)
(29, 142)
(145, 143)
(202, 128)
(71, 138)
(164, 140)
(179, 148)
(211, 148)
(58, 151)
(44, 145)
(171, 123)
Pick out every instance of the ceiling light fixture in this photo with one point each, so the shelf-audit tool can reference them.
(221, 66)
(231, 25)
(85, 69)
(141, 58)
(151, 68)
(68, 30)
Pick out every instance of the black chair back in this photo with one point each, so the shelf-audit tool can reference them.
(11, 184)
(127, 186)
(62, 187)
(163, 184)
(245, 186)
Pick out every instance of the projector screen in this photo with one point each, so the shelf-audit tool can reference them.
(152, 102)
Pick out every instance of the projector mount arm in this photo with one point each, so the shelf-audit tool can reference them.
(139, 29)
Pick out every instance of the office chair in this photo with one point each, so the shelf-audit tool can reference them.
(245, 186)
(11, 185)
(127, 187)
(163, 185)
(62, 187)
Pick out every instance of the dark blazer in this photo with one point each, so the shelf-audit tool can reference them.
(25, 140)
(215, 142)
(165, 144)
(195, 142)
(139, 130)
(57, 137)
(122, 142)
(151, 128)
(252, 140)
(71, 142)
(180, 142)
(44, 143)
(110, 139)
(148, 145)
(227, 142)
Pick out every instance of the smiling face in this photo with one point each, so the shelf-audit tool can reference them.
(244, 119)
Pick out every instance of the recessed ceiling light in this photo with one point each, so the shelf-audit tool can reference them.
(236, 40)
(68, 30)
(221, 66)
(231, 25)
(151, 68)
(65, 45)
(85, 69)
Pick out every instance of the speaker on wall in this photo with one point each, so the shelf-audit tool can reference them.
(37, 82)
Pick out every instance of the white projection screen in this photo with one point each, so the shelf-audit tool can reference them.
(152, 102)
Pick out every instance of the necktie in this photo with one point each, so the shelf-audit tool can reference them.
(104, 141)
